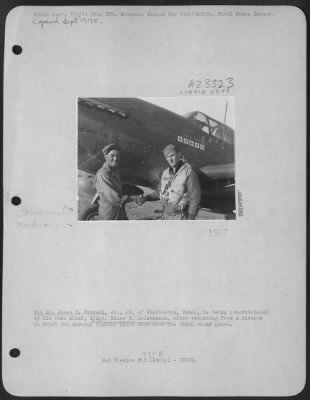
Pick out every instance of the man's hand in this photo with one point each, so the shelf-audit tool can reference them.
(123, 200)
(141, 199)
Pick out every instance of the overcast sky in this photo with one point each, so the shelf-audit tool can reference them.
(213, 106)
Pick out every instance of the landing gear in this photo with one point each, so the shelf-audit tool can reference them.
(91, 213)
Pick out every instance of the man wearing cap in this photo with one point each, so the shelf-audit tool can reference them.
(179, 188)
(109, 188)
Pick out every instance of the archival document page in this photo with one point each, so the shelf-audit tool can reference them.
(132, 272)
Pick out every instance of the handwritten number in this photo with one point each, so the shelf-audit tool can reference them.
(231, 82)
(214, 84)
(207, 83)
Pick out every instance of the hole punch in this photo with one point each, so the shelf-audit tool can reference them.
(16, 200)
(14, 353)
(16, 49)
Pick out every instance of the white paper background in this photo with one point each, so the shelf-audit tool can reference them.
(259, 264)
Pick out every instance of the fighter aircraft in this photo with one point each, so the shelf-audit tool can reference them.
(142, 130)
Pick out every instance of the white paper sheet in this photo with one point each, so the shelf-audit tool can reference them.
(192, 308)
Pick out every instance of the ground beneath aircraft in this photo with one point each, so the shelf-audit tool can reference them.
(152, 210)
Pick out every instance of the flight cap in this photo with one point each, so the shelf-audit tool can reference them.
(113, 146)
(168, 149)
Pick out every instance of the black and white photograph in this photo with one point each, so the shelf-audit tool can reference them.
(168, 158)
(154, 201)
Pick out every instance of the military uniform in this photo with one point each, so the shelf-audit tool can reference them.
(179, 192)
(109, 188)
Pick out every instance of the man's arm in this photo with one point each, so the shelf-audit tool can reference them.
(194, 195)
(105, 189)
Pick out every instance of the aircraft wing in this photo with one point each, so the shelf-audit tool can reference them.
(221, 171)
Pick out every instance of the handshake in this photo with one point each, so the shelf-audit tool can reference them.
(141, 199)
